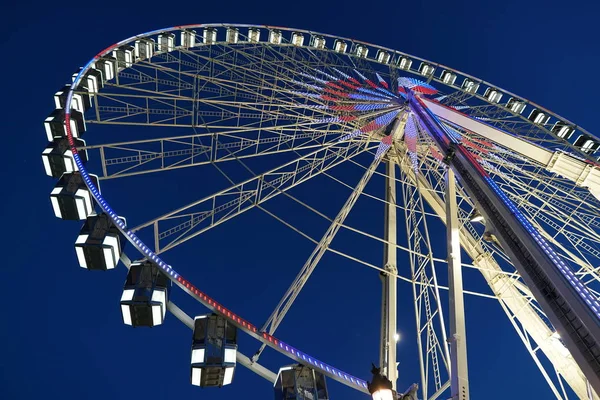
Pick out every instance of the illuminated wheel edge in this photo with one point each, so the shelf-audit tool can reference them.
(177, 278)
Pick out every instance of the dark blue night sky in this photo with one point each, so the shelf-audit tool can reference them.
(62, 335)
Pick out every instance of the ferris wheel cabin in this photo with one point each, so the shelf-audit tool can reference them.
(563, 130)
(100, 244)
(187, 38)
(214, 351)
(145, 295)
(317, 42)
(426, 69)
(55, 124)
(448, 77)
(340, 46)
(210, 36)
(587, 144)
(80, 101)
(538, 117)
(253, 35)
(275, 36)
(298, 382)
(144, 48)
(108, 66)
(297, 39)
(232, 36)
(71, 199)
(58, 157)
(493, 95)
(515, 105)
(470, 85)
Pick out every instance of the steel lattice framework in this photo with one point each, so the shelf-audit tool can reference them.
(232, 95)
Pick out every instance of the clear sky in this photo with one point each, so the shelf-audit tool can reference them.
(62, 335)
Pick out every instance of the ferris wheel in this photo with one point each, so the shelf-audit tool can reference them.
(516, 186)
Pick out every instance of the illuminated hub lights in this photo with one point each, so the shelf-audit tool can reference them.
(350, 96)
(415, 85)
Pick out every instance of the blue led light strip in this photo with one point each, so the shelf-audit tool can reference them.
(269, 340)
(583, 292)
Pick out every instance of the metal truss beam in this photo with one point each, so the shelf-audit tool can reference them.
(459, 377)
(202, 215)
(164, 154)
(387, 352)
(432, 342)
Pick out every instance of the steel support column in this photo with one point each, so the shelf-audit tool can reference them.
(459, 377)
(387, 353)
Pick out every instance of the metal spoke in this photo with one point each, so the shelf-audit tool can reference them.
(309, 266)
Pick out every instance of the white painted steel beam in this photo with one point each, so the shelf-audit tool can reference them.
(387, 355)
(459, 377)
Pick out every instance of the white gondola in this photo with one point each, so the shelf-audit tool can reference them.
(404, 63)
(209, 36)
(361, 51)
(426, 69)
(515, 105)
(448, 77)
(538, 117)
(124, 56)
(493, 95)
(299, 382)
(232, 36)
(383, 56)
(275, 36)
(563, 130)
(470, 86)
(92, 81)
(58, 158)
(587, 144)
(100, 244)
(80, 101)
(317, 42)
(144, 49)
(297, 39)
(214, 351)
(166, 42)
(145, 295)
(340, 46)
(71, 199)
(108, 66)
(253, 35)
(55, 124)
(187, 38)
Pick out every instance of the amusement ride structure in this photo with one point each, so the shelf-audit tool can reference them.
(517, 187)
